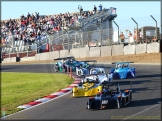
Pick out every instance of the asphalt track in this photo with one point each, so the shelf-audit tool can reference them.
(146, 102)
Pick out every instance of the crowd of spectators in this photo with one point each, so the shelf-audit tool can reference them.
(35, 27)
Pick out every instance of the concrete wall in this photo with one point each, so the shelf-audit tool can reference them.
(74, 52)
(64, 53)
(44, 56)
(117, 50)
(129, 49)
(13, 59)
(94, 52)
(37, 56)
(8, 60)
(54, 55)
(141, 48)
(106, 51)
(84, 52)
(153, 47)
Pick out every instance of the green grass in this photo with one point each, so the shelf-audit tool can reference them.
(20, 88)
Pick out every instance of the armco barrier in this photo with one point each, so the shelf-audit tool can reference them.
(129, 49)
(117, 50)
(94, 52)
(54, 55)
(153, 47)
(106, 51)
(84, 52)
(74, 52)
(141, 48)
(64, 53)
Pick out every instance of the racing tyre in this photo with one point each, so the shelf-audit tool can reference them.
(129, 75)
(63, 69)
(117, 103)
(116, 76)
(55, 69)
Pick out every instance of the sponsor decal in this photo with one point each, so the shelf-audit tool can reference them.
(104, 101)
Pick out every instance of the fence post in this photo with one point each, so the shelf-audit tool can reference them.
(71, 72)
(9, 54)
(67, 70)
(27, 50)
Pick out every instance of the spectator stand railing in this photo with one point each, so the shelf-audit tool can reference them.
(84, 22)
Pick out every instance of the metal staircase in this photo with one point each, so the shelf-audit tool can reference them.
(62, 37)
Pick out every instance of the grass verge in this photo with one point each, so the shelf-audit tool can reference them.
(19, 88)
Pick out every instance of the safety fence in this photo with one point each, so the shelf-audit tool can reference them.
(19, 52)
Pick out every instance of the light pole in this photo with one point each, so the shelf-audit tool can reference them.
(118, 30)
(156, 25)
(137, 28)
(80, 9)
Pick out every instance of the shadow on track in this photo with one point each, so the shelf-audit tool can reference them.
(148, 76)
(5, 68)
(150, 102)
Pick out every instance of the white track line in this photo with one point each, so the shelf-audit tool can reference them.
(57, 93)
(38, 104)
(142, 111)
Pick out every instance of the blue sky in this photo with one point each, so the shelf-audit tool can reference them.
(140, 11)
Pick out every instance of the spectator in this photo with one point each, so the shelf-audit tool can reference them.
(130, 34)
(122, 37)
(135, 36)
(81, 10)
(146, 40)
(95, 9)
(31, 27)
(2, 41)
(100, 7)
(130, 37)
(154, 39)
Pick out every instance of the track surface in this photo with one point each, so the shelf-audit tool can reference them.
(146, 97)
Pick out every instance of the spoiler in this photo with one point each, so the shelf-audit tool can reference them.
(70, 57)
(60, 59)
(64, 58)
(121, 62)
(91, 61)
(116, 82)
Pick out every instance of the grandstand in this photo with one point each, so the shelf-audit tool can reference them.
(30, 35)
(21, 43)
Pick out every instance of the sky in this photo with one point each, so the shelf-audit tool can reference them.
(140, 11)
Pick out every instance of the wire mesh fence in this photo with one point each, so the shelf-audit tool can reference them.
(96, 34)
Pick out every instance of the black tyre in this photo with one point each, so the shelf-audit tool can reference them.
(129, 75)
(116, 76)
(117, 104)
(63, 69)
(55, 68)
